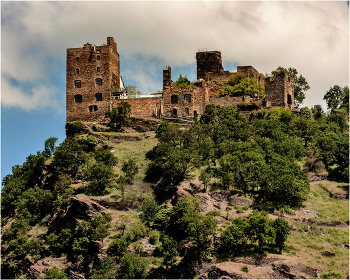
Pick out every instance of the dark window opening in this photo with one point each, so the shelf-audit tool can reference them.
(92, 108)
(175, 112)
(174, 99)
(77, 59)
(98, 57)
(78, 99)
(77, 84)
(289, 99)
(187, 98)
(78, 71)
(187, 111)
(99, 82)
(98, 69)
(98, 96)
(195, 114)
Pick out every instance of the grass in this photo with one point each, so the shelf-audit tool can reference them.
(328, 209)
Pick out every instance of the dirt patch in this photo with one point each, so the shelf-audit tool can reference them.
(257, 261)
(337, 193)
(117, 204)
(313, 177)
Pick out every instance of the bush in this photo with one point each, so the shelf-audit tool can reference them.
(306, 113)
(98, 174)
(135, 231)
(80, 247)
(282, 230)
(106, 269)
(245, 269)
(182, 82)
(154, 236)
(234, 238)
(88, 143)
(132, 266)
(73, 128)
(105, 156)
(332, 275)
(117, 248)
(55, 273)
(120, 115)
(130, 169)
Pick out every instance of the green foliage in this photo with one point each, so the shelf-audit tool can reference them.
(73, 128)
(306, 113)
(117, 248)
(332, 275)
(317, 112)
(24, 246)
(105, 156)
(236, 78)
(96, 228)
(164, 126)
(55, 273)
(261, 230)
(61, 243)
(149, 209)
(50, 146)
(182, 82)
(88, 143)
(245, 269)
(120, 115)
(214, 213)
(235, 237)
(246, 86)
(105, 269)
(135, 230)
(205, 178)
(80, 247)
(282, 230)
(168, 249)
(336, 96)
(132, 266)
(130, 169)
(154, 236)
(99, 176)
(132, 90)
(300, 83)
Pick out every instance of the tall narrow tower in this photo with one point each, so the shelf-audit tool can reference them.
(91, 73)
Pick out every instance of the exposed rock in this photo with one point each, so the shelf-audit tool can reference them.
(312, 177)
(78, 211)
(240, 201)
(119, 204)
(328, 253)
(74, 275)
(217, 273)
(294, 272)
(123, 137)
(257, 261)
(34, 272)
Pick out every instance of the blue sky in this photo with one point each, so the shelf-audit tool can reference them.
(312, 37)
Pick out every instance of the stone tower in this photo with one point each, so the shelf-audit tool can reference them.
(209, 61)
(91, 73)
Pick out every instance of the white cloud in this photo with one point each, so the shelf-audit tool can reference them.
(312, 37)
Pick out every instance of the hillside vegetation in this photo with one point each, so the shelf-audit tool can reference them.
(224, 197)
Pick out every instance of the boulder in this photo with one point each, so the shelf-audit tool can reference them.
(294, 272)
(240, 201)
(328, 253)
(217, 273)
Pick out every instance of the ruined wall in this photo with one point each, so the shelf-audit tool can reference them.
(280, 91)
(147, 106)
(209, 61)
(87, 64)
(167, 82)
(230, 101)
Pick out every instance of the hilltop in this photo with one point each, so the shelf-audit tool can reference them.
(164, 200)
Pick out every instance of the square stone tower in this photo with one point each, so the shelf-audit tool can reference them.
(91, 73)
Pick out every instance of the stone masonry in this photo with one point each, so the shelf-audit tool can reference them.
(92, 71)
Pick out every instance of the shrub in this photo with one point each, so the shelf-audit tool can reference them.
(80, 247)
(332, 275)
(120, 115)
(73, 128)
(138, 247)
(106, 269)
(214, 213)
(245, 269)
(234, 238)
(98, 174)
(132, 266)
(105, 156)
(55, 273)
(88, 143)
(182, 82)
(282, 231)
(306, 113)
(130, 169)
(136, 230)
(154, 236)
(117, 248)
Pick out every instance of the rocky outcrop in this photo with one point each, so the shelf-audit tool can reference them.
(79, 210)
(328, 253)
(287, 271)
(313, 177)
(119, 204)
(217, 273)
(220, 200)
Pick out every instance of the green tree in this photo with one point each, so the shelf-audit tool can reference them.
(306, 113)
(247, 86)
(132, 266)
(105, 156)
(50, 146)
(300, 83)
(99, 176)
(234, 238)
(130, 169)
(282, 230)
(96, 228)
(336, 96)
(106, 269)
(73, 128)
(120, 115)
(168, 249)
(55, 273)
(132, 90)
(260, 229)
(182, 82)
(117, 248)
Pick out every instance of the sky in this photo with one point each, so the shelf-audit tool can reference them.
(312, 37)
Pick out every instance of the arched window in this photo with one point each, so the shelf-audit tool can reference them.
(77, 59)
(98, 57)
(78, 98)
(78, 71)
(98, 96)
(187, 98)
(77, 84)
(98, 69)
(174, 99)
(99, 82)
(92, 108)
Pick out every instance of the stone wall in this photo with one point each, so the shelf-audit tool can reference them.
(83, 65)
(147, 106)
(209, 61)
(280, 91)
(230, 101)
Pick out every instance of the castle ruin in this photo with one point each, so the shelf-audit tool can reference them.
(94, 86)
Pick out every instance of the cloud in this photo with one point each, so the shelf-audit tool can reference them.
(312, 37)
